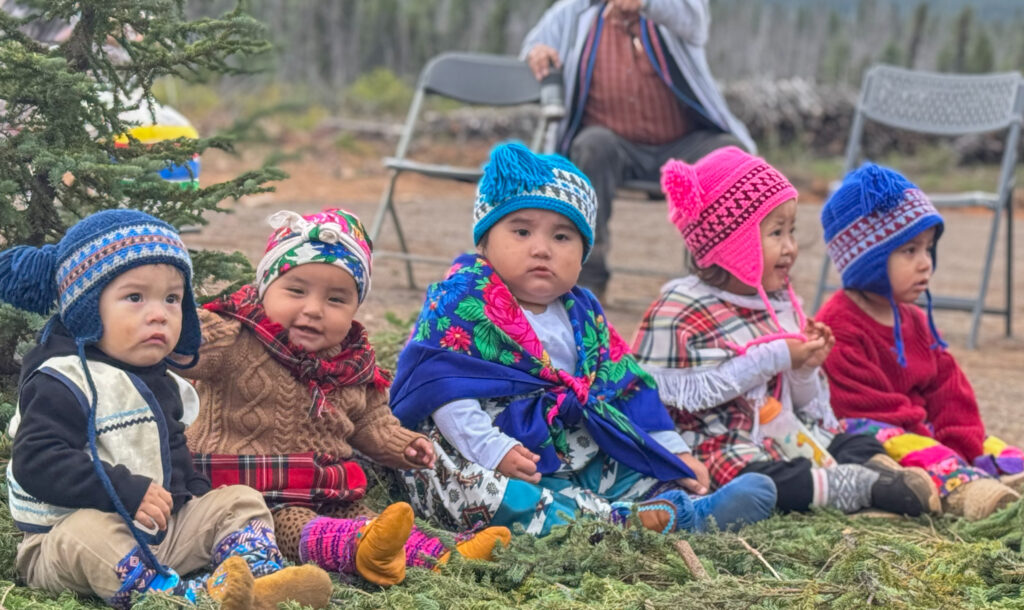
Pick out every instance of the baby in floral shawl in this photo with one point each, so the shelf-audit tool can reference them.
(536, 410)
(289, 388)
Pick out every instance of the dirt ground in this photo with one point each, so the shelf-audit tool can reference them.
(437, 216)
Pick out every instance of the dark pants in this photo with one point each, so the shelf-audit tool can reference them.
(793, 478)
(609, 160)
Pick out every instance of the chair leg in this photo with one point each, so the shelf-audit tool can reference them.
(1009, 268)
(384, 207)
(387, 207)
(990, 251)
(405, 248)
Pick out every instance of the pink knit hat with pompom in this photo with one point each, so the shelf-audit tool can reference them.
(718, 204)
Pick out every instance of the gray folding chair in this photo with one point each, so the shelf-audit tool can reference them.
(470, 78)
(948, 105)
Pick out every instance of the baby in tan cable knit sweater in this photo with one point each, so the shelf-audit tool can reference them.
(289, 388)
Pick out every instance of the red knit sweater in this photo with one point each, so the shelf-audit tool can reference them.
(931, 396)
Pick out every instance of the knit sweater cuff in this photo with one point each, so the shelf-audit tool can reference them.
(397, 440)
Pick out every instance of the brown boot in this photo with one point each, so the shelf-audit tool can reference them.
(231, 584)
(914, 480)
(979, 499)
(1013, 481)
(307, 584)
(380, 554)
(657, 515)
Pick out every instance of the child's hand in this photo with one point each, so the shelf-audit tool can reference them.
(802, 352)
(155, 509)
(520, 463)
(815, 330)
(421, 451)
(701, 481)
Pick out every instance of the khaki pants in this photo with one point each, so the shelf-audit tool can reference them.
(81, 552)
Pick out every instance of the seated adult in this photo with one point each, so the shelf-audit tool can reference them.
(638, 92)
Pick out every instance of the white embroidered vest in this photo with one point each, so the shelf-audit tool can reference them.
(130, 431)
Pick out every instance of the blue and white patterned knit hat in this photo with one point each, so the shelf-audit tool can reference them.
(516, 179)
(875, 211)
(73, 272)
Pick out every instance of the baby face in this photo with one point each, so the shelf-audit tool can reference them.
(141, 314)
(910, 267)
(537, 253)
(778, 243)
(315, 303)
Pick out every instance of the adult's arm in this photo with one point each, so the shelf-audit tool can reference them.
(554, 26)
(688, 19)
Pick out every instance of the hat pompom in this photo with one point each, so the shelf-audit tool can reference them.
(27, 278)
(512, 169)
(881, 188)
(682, 189)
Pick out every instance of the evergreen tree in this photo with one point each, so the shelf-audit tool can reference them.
(919, 21)
(981, 58)
(65, 148)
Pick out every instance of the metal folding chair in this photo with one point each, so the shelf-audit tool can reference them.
(948, 105)
(470, 78)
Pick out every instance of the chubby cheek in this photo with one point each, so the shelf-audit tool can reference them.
(278, 314)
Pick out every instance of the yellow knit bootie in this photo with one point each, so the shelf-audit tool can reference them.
(380, 554)
(480, 546)
(231, 584)
(307, 584)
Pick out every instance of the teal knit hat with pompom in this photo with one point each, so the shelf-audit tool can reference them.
(516, 179)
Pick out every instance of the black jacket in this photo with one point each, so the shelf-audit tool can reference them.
(50, 458)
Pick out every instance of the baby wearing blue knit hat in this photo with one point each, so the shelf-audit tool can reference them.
(101, 480)
(890, 373)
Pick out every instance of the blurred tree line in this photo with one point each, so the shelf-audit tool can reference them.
(327, 45)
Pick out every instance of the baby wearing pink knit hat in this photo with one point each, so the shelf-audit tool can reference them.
(736, 213)
(736, 360)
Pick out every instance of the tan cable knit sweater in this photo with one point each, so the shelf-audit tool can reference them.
(251, 404)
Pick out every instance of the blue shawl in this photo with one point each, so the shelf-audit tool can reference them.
(472, 340)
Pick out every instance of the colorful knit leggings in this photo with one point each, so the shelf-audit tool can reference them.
(947, 468)
(330, 541)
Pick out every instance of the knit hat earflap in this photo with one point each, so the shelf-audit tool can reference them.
(516, 179)
(718, 204)
(334, 237)
(874, 212)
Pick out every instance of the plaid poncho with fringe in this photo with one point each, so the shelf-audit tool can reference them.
(690, 325)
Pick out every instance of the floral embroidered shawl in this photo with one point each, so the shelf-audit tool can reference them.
(473, 340)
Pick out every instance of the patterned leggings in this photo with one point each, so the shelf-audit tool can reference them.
(289, 521)
(947, 468)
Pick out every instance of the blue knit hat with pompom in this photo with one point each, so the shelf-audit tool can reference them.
(516, 179)
(73, 272)
(875, 211)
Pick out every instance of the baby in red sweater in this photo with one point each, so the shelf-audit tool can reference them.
(890, 373)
